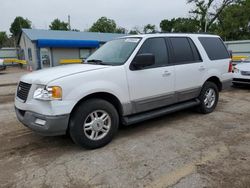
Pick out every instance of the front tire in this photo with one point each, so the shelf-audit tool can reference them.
(208, 97)
(94, 123)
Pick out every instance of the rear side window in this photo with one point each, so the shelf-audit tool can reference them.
(214, 47)
(196, 54)
(157, 47)
(184, 50)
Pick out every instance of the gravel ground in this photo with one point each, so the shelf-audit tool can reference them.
(8, 82)
(11, 75)
(185, 149)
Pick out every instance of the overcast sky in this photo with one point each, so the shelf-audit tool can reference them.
(126, 13)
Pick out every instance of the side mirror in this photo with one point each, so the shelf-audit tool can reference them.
(143, 60)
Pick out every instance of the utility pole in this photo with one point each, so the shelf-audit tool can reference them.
(69, 22)
(206, 22)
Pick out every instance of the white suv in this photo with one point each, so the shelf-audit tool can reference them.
(126, 81)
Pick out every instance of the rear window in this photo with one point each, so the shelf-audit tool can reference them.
(214, 47)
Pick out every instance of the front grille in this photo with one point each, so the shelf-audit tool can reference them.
(23, 91)
(245, 73)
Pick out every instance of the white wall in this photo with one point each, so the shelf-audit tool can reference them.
(239, 47)
(8, 53)
(64, 53)
(25, 43)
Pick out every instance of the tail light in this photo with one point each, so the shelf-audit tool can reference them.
(230, 68)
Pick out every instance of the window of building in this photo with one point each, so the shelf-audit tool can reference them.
(30, 54)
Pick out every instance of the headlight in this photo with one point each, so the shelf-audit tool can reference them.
(48, 94)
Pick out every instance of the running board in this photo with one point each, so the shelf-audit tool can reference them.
(128, 120)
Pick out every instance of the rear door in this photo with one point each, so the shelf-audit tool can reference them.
(189, 67)
(218, 55)
(152, 87)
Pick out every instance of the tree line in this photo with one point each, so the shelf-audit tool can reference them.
(228, 18)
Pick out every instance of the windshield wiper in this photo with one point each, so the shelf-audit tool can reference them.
(96, 62)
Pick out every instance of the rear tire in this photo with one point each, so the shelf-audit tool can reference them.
(94, 123)
(208, 97)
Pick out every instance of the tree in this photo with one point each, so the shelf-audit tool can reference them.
(104, 25)
(3, 39)
(207, 11)
(135, 31)
(76, 30)
(120, 30)
(57, 24)
(167, 25)
(183, 25)
(149, 28)
(234, 22)
(18, 24)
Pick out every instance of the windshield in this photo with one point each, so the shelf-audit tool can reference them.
(115, 52)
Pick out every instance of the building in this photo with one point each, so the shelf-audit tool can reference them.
(48, 48)
(239, 48)
(8, 53)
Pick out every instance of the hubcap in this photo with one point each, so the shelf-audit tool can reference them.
(97, 125)
(210, 97)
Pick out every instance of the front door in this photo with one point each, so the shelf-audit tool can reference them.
(152, 87)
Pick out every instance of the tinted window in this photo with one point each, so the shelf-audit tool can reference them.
(214, 47)
(182, 50)
(157, 47)
(196, 54)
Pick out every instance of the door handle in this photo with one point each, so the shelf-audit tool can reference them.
(202, 68)
(166, 73)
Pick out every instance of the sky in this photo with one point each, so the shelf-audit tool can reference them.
(83, 13)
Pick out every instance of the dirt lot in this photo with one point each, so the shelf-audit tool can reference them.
(184, 149)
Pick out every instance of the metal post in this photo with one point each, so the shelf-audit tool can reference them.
(69, 22)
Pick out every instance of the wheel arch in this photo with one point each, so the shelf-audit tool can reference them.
(101, 95)
(215, 80)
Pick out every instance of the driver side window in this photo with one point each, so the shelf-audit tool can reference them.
(157, 47)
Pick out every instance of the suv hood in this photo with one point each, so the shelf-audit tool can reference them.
(50, 74)
(243, 66)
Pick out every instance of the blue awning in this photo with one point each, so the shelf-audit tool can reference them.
(42, 43)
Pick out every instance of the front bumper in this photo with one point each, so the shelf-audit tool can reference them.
(50, 126)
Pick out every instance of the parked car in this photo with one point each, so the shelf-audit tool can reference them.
(2, 65)
(126, 81)
(241, 74)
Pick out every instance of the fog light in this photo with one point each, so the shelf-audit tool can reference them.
(40, 122)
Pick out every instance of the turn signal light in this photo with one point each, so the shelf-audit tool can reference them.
(56, 92)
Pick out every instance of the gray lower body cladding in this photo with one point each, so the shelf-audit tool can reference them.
(150, 103)
(51, 126)
(159, 112)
